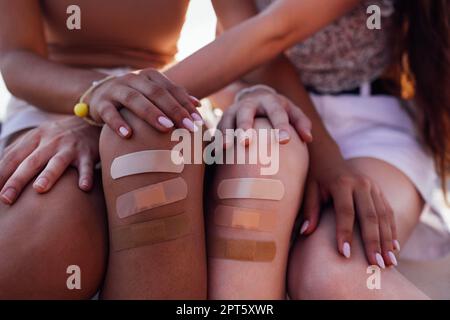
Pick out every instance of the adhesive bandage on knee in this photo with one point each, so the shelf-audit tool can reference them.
(244, 250)
(244, 218)
(251, 188)
(151, 232)
(150, 197)
(147, 161)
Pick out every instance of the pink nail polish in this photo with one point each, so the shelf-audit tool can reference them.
(198, 120)
(189, 125)
(195, 101)
(396, 245)
(124, 131)
(393, 258)
(165, 122)
(380, 261)
(283, 136)
(346, 250)
(304, 227)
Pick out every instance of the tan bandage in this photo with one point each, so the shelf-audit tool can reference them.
(245, 250)
(251, 188)
(150, 197)
(151, 232)
(147, 161)
(244, 218)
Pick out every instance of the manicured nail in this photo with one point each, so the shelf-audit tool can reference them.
(228, 141)
(124, 131)
(393, 258)
(380, 261)
(283, 136)
(245, 139)
(396, 245)
(198, 120)
(9, 195)
(189, 125)
(165, 122)
(304, 227)
(84, 183)
(41, 183)
(346, 250)
(195, 101)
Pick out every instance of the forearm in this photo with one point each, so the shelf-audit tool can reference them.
(282, 76)
(48, 85)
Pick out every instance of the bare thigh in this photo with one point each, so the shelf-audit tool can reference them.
(41, 235)
(317, 270)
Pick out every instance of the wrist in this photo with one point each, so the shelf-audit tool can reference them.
(253, 90)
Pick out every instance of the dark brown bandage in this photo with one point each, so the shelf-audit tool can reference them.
(151, 232)
(251, 188)
(244, 218)
(150, 197)
(244, 250)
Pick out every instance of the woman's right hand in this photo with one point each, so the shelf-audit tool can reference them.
(149, 95)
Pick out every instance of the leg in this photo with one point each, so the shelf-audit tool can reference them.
(317, 271)
(234, 279)
(42, 234)
(174, 269)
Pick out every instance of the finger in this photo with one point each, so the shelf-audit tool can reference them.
(26, 171)
(368, 221)
(278, 117)
(109, 114)
(226, 125)
(300, 122)
(136, 102)
(179, 106)
(14, 155)
(345, 217)
(85, 168)
(53, 171)
(311, 208)
(245, 116)
(392, 223)
(387, 245)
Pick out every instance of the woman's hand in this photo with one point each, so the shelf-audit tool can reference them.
(47, 151)
(353, 195)
(280, 111)
(150, 96)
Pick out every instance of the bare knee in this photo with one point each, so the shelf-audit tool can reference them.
(42, 235)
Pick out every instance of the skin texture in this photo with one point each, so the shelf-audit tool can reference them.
(164, 270)
(232, 279)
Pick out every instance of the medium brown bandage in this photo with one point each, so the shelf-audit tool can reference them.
(251, 188)
(147, 233)
(245, 250)
(147, 161)
(244, 218)
(150, 197)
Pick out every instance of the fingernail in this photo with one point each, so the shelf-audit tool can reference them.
(396, 245)
(309, 134)
(393, 258)
(283, 136)
(304, 227)
(228, 141)
(84, 183)
(41, 183)
(245, 139)
(124, 131)
(190, 125)
(198, 120)
(195, 100)
(380, 261)
(9, 195)
(165, 122)
(346, 250)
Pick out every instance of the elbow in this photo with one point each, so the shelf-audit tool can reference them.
(9, 64)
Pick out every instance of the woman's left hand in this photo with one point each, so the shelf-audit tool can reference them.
(279, 110)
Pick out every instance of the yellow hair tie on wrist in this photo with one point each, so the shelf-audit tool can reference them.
(81, 109)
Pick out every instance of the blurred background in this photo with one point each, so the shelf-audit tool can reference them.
(198, 31)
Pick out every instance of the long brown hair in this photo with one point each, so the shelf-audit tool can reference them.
(422, 52)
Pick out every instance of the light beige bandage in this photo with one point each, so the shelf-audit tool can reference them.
(244, 218)
(150, 197)
(245, 250)
(147, 233)
(147, 161)
(251, 188)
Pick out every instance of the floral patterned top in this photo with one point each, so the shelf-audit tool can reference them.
(346, 53)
